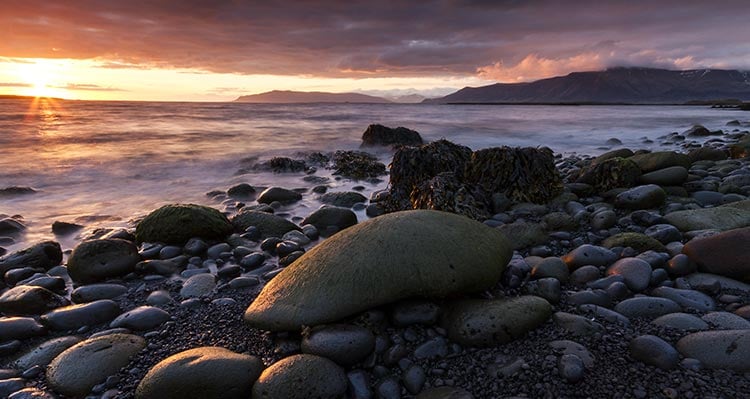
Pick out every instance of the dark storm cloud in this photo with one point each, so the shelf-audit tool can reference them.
(504, 40)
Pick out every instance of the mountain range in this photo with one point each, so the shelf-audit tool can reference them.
(614, 86)
(288, 97)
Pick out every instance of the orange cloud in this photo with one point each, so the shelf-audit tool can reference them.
(534, 67)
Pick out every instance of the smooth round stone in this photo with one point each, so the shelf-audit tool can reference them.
(345, 344)
(724, 254)
(215, 251)
(76, 370)
(547, 288)
(195, 246)
(301, 377)
(52, 283)
(74, 317)
(707, 198)
(159, 297)
(31, 393)
(43, 354)
(198, 286)
(10, 385)
(359, 384)
(43, 255)
(206, 373)
(170, 251)
(680, 265)
(267, 225)
(328, 216)
(97, 260)
(635, 272)
(588, 254)
(551, 267)
(279, 194)
(243, 282)
(414, 378)
(571, 368)
(434, 348)
(726, 321)
(603, 220)
(647, 307)
(492, 322)
(723, 349)
(574, 348)
(604, 314)
(664, 233)
(654, 351)
(253, 260)
(596, 297)
(584, 274)
(414, 311)
(388, 388)
(618, 291)
(575, 324)
(95, 292)
(12, 328)
(718, 218)
(688, 299)
(641, 197)
(681, 321)
(297, 237)
(142, 318)
(444, 393)
(285, 248)
(29, 300)
(671, 176)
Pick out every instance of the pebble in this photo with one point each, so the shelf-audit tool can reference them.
(646, 307)
(216, 251)
(414, 379)
(654, 351)
(604, 314)
(726, 321)
(584, 274)
(433, 348)
(198, 286)
(89, 314)
(159, 297)
(588, 254)
(95, 292)
(635, 272)
(551, 267)
(345, 344)
(681, 321)
(29, 300)
(574, 348)
(388, 388)
(11, 385)
(44, 353)
(414, 311)
(688, 299)
(577, 325)
(571, 368)
(142, 318)
(195, 246)
(359, 384)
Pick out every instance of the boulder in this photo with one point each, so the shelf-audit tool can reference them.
(707, 154)
(345, 344)
(399, 255)
(720, 218)
(611, 173)
(357, 165)
(344, 199)
(205, 373)
(301, 377)
(268, 224)
(723, 254)
(98, 260)
(671, 176)
(43, 255)
(641, 197)
(379, 135)
(177, 223)
(75, 371)
(652, 161)
(328, 216)
(726, 349)
(477, 322)
(283, 195)
(701, 131)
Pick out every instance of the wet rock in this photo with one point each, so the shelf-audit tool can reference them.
(44, 353)
(14, 191)
(12, 328)
(379, 135)
(29, 300)
(611, 173)
(142, 318)
(493, 322)
(283, 195)
(328, 216)
(301, 377)
(205, 372)
(646, 307)
(721, 218)
(97, 260)
(177, 223)
(433, 262)
(688, 299)
(357, 165)
(43, 255)
(681, 321)
(95, 292)
(635, 272)
(589, 255)
(63, 228)
(31, 393)
(11, 227)
(267, 224)
(654, 351)
(724, 254)
(726, 349)
(76, 370)
(198, 286)
(641, 197)
(345, 344)
(74, 317)
(345, 199)
(242, 191)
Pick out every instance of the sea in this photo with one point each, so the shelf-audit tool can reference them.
(104, 164)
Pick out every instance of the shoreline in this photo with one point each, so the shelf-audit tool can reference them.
(422, 355)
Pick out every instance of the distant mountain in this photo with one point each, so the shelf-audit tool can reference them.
(615, 85)
(408, 98)
(289, 97)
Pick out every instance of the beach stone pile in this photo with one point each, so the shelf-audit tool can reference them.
(634, 285)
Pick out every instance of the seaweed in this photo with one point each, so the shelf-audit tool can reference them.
(612, 173)
(445, 192)
(357, 165)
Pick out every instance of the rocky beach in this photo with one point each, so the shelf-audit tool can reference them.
(444, 272)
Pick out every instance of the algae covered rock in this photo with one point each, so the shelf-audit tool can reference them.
(201, 373)
(479, 322)
(379, 135)
(177, 223)
(639, 242)
(392, 257)
(611, 173)
(445, 193)
(357, 165)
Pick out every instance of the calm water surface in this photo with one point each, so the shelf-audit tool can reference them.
(103, 163)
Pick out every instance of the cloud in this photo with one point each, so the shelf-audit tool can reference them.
(10, 84)
(86, 87)
(363, 39)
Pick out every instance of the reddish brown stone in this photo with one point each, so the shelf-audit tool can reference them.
(725, 254)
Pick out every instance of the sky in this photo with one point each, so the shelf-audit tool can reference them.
(203, 50)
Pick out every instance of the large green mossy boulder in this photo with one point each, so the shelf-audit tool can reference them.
(177, 223)
(406, 254)
(479, 322)
(659, 160)
(268, 224)
(201, 373)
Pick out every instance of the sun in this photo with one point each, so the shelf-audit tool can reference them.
(42, 78)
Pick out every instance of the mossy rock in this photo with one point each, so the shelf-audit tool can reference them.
(618, 153)
(610, 174)
(269, 224)
(177, 223)
(740, 149)
(639, 242)
(659, 160)
(392, 257)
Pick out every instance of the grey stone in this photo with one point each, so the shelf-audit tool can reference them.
(721, 218)
(345, 199)
(45, 352)
(671, 176)
(414, 311)
(573, 348)
(205, 372)
(142, 318)
(198, 286)
(688, 299)
(29, 300)
(577, 325)
(43, 255)
(283, 195)
(551, 267)
(641, 197)
(12, 328)
(95, 292)
(267, 224)
(76, 370)
(635, 272)
(74, 317)
(589, 255)
(604, 314)
(97, 260)
(571, 368)
(414, 379)
(724, 349)
(726, 321)
(646, 307)
(444, 393)
(681, 321)
(664, 233)
(654, 351)
(178, 223)
(345, 344)
(301, 377)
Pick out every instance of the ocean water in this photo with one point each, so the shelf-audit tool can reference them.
(102, 164)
